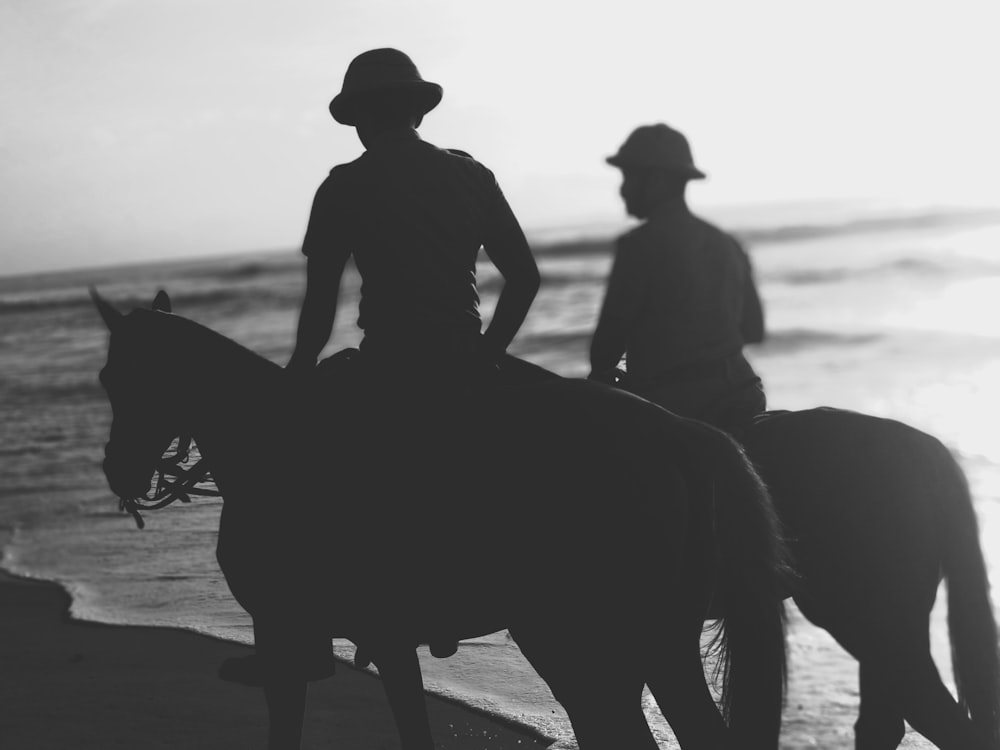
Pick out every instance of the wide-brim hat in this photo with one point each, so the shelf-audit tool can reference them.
(657, 147)
(383, 72)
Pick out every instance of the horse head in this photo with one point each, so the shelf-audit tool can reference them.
(144, 405)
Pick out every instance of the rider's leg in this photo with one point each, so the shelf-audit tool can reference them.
(289, 653)
(676, 678)
(286, 704)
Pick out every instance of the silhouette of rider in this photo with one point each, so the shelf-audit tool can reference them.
(413, 217)
(680, 302)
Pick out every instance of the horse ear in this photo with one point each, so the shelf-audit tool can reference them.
(109, 314)
(161, 302)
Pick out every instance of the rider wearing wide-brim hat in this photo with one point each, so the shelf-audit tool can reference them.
(414, 218)
(657, 147)
(681, 300)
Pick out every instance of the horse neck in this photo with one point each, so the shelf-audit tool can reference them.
(223, 390)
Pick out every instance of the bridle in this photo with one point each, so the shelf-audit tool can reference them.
(174, 482)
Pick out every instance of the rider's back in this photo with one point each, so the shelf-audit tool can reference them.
(414, 217)
(696, 275)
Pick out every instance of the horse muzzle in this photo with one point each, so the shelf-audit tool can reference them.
(125, 475)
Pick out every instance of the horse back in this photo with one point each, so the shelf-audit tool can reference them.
(860, 498)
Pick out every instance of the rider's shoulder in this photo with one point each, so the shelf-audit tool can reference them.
(466, 163)
(466, 160)
(637, 237)
(720, 236)
(340, 178)
(707, 227)
(345, 169)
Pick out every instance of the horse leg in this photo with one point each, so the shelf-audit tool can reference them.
(904, 666)
(678, 684)
(399, 669)
(880, 718)
(931, 710)
(286, 705)
(605, 708)
(879, 725)
(603, 698)
(608, 715)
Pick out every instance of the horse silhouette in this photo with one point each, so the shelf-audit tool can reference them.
(577, 513)
(876, 513)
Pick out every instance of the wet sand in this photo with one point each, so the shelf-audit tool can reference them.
(72, 684)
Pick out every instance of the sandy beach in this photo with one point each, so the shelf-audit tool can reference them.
(71, 684)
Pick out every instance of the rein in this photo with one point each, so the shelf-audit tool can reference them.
(173, 482)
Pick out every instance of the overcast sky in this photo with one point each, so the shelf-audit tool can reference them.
(139, 129)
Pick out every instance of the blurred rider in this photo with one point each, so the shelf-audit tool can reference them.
(680, 302)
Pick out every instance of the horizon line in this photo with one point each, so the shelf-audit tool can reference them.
(554, 236)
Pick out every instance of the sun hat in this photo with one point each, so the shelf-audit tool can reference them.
(382, 71)
(659, 147)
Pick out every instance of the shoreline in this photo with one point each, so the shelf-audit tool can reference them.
(66, 682)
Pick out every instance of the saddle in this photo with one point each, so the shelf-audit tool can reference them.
(346, 370)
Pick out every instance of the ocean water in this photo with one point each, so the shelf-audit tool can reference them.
(895, 316)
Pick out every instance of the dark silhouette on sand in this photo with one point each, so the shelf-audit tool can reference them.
(414, 218)
(681, 300)
(583, 514)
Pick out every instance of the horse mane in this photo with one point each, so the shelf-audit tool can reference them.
(184, 341)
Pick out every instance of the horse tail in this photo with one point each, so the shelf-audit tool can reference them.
(753, 573)
(972, 628)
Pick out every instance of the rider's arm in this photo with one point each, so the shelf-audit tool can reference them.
(507, 247)
(327, 258)
(752, 320)
(318, 309)
(622, 300)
